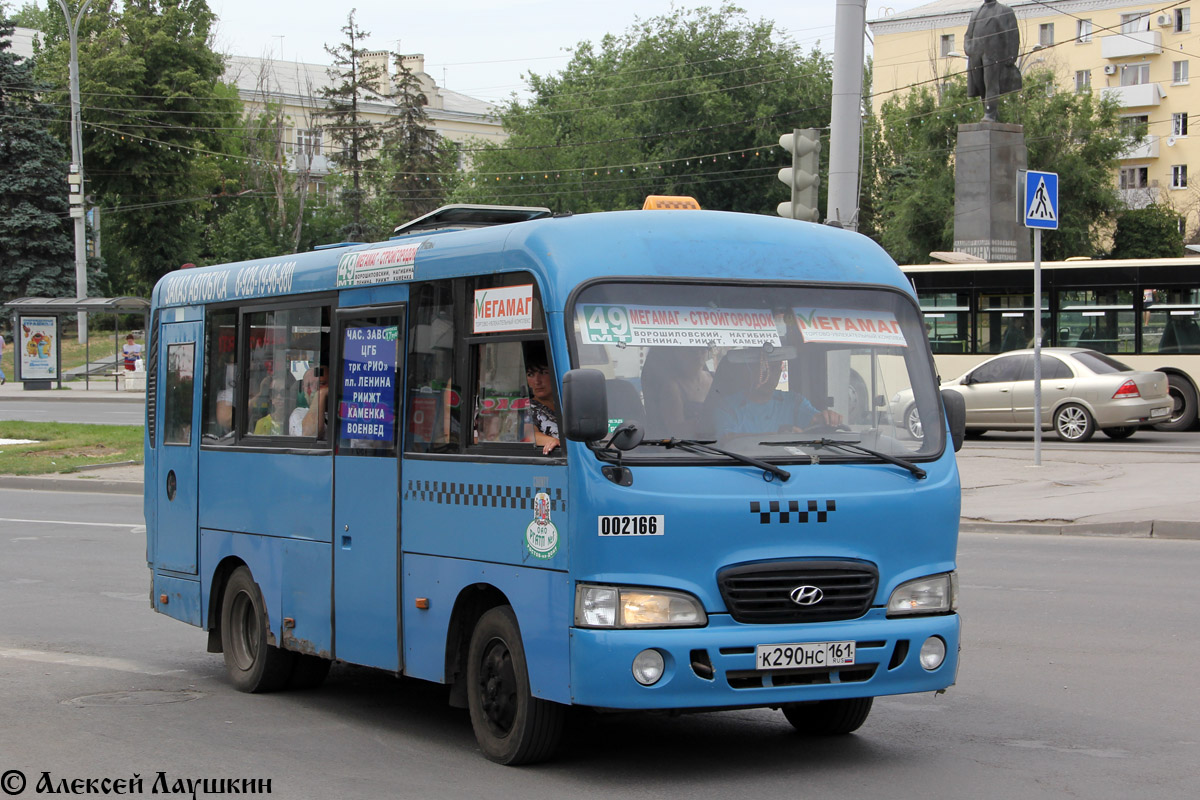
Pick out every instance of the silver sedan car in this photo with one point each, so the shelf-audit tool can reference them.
(1082, 390)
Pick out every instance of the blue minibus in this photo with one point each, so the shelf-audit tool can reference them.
(634, 460)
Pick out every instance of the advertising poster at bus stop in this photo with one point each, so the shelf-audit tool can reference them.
(368, 403)
(37, 347)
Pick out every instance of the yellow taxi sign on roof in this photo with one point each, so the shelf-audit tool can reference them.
(659, 201)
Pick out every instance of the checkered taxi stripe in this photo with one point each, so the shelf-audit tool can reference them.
(489, 495)
(773, 511)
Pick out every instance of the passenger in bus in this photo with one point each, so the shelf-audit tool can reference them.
(675, 384)
(309, 419)
(744, 397)
(543, 403)
(275, 422)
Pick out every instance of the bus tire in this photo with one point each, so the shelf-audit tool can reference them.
(829, 717)
(1122, 432)
(1183, 405)
(1073, 423)
(253, 665)
(511, 725)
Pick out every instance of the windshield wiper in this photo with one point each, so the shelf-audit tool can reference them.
(704, 446)
(853, 446)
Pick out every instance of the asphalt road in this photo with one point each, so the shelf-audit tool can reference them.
(84, 411)
(1078, 679)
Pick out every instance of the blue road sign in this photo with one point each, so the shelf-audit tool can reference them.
(1041, 200)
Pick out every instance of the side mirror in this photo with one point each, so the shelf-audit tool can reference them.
(585, 405)
(956, 415)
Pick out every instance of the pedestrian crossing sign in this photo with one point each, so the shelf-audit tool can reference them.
(1041, 200)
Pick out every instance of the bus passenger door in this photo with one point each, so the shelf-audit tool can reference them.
(368, 388)
(177, 406)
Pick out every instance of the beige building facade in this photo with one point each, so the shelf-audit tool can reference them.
(1138, 53)
(294, 88)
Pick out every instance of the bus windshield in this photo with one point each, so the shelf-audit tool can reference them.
(776, 372)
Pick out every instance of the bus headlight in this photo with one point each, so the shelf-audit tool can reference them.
(935, 594)
(636, 607)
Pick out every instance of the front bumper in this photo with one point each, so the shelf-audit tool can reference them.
(886, 663)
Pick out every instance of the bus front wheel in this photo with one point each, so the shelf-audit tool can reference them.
(511, 725)
(253, 664)
(829, 717)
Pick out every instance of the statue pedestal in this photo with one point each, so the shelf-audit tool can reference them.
(987, 221)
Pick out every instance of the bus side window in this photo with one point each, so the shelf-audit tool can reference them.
(433, 397)
(516, 395)
(220, 378)
(287, 370)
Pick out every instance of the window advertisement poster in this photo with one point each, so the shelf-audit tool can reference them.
(677, 326)
(38, 348)
(367, 408)
(503, 308)
(848, 326)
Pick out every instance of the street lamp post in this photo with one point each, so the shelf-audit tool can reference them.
(75, 176)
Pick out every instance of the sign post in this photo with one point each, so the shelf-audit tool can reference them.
(1041, 213)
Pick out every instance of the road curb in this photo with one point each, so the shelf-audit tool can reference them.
(1147, 529)
(38, 483)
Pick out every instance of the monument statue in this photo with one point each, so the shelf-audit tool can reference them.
(992, 44)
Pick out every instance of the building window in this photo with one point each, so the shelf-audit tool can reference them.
(1046, 34)
(1135, 177)
(1083, 80)
(1135, 74)
(947, 45)
(1179, 124)
(1135, 22)
(1182, 227)
(1134, 127)
(1083, 31)
(308, 142)
(1179, 176)
(1183, 20)
(1179, 72)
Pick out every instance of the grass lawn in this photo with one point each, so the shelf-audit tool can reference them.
(63, 447)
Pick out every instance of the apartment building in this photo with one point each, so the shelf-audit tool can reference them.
(1137, 53)
(295, 88)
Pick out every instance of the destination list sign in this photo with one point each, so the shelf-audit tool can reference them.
(367, 410)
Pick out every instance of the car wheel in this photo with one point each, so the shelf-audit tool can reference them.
(511, 725)
(858, 401)
(828, 717)
(1123, 432)
(253, 665)
(912, 421)
(1073, 423)
(1183, 405)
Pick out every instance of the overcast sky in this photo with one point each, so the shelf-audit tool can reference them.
(482, 47)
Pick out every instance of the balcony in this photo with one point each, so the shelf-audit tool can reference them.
(1136, 96)
(1139, 198)
(1124, 45)
(1146, 148)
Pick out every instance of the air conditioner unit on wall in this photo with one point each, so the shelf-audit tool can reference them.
(1164, 20)
(1110, 69)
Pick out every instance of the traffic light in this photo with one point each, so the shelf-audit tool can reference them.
(802, 175)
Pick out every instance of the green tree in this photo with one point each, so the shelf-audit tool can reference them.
(357, 81)
(416, 168)
(155, 112)
(1073, 134)
(691, 102)
(1150, 232)
(36, 251)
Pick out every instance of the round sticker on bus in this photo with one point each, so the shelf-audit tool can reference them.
(541, 537)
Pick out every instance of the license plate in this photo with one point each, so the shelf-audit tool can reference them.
(807, 654)
(1159, 412)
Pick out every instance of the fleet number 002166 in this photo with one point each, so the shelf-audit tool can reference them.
(808, 654)
(632, 525)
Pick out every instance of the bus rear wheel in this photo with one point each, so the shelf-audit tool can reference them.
(1183, 405)
(511, 725)
(253, 665)
(829, 717)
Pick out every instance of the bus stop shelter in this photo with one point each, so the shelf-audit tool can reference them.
(57, 306)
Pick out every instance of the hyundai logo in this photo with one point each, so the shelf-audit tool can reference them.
(806, 595)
